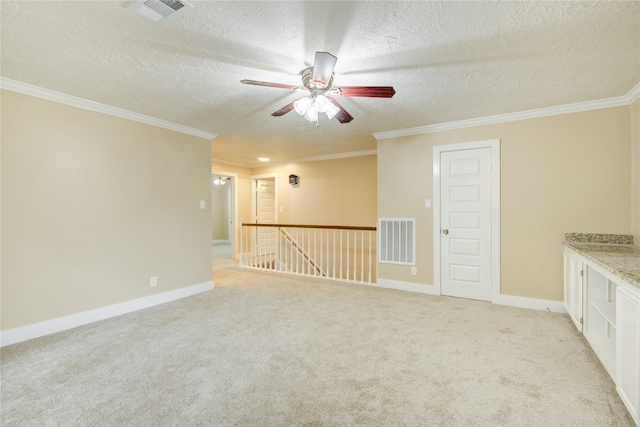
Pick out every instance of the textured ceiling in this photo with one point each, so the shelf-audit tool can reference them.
(448, 61)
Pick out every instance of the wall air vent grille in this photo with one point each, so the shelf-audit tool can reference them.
(159, 10)
(397, 241)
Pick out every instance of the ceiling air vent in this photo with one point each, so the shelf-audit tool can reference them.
(159, 10)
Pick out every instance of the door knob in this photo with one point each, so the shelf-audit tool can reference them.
(445, 231)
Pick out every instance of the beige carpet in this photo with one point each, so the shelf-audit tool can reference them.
(270, 350)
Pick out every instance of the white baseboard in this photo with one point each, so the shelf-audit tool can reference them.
(407, 286)
(531, 303)
(512, 301)
(40, 329)
(215, 242)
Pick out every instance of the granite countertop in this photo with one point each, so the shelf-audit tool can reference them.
(613, 252)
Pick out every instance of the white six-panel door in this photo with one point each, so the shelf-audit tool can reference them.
(465, 223)
(266, 214)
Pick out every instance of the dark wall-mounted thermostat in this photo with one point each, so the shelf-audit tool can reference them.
(293, 179)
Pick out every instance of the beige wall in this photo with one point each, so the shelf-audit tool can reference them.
(565, 173)
(330, 192)
(635, 174)
(93, 206)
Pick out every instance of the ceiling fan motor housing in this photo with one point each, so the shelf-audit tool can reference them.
(312, 86)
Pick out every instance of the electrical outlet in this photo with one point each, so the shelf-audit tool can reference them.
(414, 271)
(154, 281)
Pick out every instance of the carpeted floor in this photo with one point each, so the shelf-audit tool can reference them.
(221, 257)
(221, 251)
(272, 350)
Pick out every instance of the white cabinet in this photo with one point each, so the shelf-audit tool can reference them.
(606, 308)
(628, 349)
(573, 288)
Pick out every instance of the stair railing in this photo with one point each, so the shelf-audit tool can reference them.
(342, 253)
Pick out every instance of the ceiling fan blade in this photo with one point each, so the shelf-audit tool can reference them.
(364, 91)
(284, 110)
(268, 84)
(323, 69)
(343, 116)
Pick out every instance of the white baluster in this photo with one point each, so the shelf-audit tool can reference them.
(355, 254)
(341, 254)
(348, 255)
(370, 259)
(362, 257)
(335, 246)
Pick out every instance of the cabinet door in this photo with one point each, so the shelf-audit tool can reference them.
(628, 349)
(573, 288)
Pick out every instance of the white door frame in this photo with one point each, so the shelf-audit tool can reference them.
(234, 210)
(494, 145)
(254, 179)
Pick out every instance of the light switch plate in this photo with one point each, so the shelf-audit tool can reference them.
(203, 204)
(427, 203)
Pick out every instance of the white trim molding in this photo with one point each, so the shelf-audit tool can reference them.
(530, 303)
(48, 327)
(334, 156)
(628, 99)
(51, 95)
(320, 158)
(634, 94)
(407, 286)
(506, 300)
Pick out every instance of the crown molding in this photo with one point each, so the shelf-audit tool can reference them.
(634, 94)
(628, 99)
(39, 92)
(335, 156)
(227, 162)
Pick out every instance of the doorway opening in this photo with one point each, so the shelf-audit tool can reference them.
(224, 208)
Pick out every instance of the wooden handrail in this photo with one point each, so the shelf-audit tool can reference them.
(332, 227)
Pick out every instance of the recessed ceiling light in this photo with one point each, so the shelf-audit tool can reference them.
(263, 159)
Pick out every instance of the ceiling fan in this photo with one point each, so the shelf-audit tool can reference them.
(318, 80)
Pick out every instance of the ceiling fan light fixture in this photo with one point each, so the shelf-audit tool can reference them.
(311, 106)
(302, 105)
(332, 110)
(311, 113)
(322, 103)
(219, 180)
